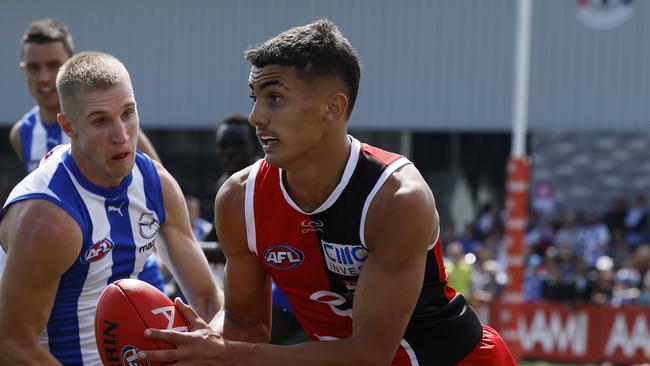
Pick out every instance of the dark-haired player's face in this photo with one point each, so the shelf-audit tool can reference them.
(40, 64)
(287, 113)
(235, 147)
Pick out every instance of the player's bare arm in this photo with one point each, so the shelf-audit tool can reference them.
(14, 140)
(183, 254)
(146, 146)
(401, 223)
(42, 241)
(246, 284)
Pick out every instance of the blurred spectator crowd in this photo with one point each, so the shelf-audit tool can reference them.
(595, 257)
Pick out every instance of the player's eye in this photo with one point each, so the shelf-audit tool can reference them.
(127, 114)
(54, 66)
(99, 121)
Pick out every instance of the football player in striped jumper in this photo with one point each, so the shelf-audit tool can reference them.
(45, 46)
(90, 214)
(348, 231)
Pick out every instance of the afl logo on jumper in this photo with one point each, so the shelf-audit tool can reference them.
(345, 260)
(283, 257)
(148, 225)
(98, 251)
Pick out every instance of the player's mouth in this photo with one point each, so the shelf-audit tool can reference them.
(267, 140)
(120, 156)
(46, 90)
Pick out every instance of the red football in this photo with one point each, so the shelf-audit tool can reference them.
(125, 309)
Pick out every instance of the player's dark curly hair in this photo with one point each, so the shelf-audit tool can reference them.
(315, 50)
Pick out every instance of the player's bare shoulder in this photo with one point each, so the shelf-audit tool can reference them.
(40, 226)
(403, 203)
(229, 211)
(233, 191)
(166, 177)
(14, 139)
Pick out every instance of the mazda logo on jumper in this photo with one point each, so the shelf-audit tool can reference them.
(148, 225)
(311, 225)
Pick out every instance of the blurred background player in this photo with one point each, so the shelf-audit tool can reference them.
(45, 46)
(237, 145)
(200, 226)
(90, 214)
(236, 148)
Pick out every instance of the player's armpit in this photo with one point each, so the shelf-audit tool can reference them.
(42, 242)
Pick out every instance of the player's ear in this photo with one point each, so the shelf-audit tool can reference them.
(337, 106)
(65, 124)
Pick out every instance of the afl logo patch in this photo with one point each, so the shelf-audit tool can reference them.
(283, 257)
(130, 357)
(98, 251)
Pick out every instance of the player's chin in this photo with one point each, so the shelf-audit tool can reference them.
(274, 160)
(122, 166)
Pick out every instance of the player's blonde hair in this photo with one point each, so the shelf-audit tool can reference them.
(87, 72)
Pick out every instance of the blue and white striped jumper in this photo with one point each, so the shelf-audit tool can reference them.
(37, 138)
(119, 226)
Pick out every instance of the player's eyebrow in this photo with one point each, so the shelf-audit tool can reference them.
(266, 84)
(104, 111)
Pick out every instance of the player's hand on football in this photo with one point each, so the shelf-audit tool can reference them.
(200, 346)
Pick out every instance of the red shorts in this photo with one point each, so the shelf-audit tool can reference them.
(491, 350)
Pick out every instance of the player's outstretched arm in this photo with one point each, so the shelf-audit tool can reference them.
(42, 241)
(247, 310)
(182, 254)
(14, 140)
(401, 223)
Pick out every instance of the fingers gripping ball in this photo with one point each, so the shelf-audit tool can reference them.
(125, 309)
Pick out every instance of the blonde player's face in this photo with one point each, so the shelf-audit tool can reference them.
(287, 114)
(40, 64)
(104, 134)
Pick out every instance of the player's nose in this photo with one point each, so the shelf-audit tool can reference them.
(120, 132)
(257, 117)
(44, 75)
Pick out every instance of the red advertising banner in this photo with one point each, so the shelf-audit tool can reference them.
(579, 333)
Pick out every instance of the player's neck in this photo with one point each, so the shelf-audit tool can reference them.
(311, 184)
(48, 115)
